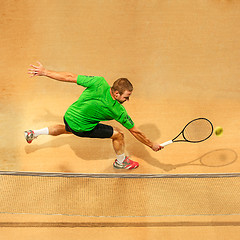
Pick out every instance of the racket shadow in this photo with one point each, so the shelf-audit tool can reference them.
(215, 158)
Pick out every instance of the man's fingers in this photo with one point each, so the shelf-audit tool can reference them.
(31, 69)
(159, 148)
(156, 148)
(39, 63)
(34, 66)
(32, 72)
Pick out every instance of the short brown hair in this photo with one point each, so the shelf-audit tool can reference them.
(121, 85)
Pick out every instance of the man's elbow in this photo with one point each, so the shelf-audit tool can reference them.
(72, 78)
(133, 130)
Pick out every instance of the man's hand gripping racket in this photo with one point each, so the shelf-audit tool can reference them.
(198, 130)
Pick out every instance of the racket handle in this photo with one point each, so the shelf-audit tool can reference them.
(166, 143)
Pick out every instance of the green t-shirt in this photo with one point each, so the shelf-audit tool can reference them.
(94, 105)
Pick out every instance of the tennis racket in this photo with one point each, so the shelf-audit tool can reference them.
(198, 130)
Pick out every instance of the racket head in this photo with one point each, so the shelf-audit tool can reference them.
(197, 130)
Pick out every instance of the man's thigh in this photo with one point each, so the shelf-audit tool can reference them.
(100, 131)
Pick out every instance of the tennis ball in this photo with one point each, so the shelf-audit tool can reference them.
(218, 131)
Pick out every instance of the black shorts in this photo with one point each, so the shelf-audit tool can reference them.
(100, 131)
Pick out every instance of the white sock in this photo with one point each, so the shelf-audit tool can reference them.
(43, 131)
(120, 158)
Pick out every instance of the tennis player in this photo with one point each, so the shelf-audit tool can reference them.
(98, 102)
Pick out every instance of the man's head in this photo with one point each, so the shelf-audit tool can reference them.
(121, 90)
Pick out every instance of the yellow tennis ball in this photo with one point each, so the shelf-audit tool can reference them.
(218, 131)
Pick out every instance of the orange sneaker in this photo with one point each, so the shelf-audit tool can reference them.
(29, 136)
(127, 164)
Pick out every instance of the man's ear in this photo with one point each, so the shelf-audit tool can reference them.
(116, 93)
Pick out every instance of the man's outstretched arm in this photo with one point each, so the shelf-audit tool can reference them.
(143, 139)
(60, 76)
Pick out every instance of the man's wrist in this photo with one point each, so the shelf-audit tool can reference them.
(45, 72)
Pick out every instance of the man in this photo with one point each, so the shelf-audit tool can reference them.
(98, 102)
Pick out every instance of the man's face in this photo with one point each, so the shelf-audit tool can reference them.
(122, 98)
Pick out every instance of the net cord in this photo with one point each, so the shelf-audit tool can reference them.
(116, 175)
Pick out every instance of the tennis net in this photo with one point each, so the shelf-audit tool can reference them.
(119, 195)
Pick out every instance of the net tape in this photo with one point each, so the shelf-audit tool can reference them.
(119, 175)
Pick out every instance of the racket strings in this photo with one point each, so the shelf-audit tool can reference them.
(198, 130)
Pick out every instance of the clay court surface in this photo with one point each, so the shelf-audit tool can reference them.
(183, 59)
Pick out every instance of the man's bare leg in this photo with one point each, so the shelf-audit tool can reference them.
(118, 141)
(55, 130)
(122, 162)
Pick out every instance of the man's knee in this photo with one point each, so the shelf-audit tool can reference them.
(117, 134)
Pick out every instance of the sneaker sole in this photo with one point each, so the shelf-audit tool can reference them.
(128, 167)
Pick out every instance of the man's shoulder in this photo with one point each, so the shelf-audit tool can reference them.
(101, 82)
(104, 81)
(89, 81)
